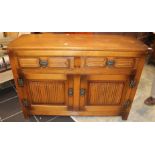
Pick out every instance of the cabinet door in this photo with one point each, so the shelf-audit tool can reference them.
(48, 93)
(103, 94)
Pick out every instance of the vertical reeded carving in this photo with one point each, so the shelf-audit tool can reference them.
(108, 93)
(47, 92)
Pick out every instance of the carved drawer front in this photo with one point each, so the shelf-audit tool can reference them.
(121, 62)
(28, 62)
(44, 62)
(95, 62)
(60, 62)
(108, 62)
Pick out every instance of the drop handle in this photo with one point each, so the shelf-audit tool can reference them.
(70, 92)
(43, 63)
(82, 92)
(110, 63)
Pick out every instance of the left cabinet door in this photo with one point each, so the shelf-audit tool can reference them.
(48, 93)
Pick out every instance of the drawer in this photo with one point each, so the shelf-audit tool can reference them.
(91, 62)
(50, 62)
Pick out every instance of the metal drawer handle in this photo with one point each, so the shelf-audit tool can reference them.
(43, 63)
(70, 92)
(82, 92)
(110, 63)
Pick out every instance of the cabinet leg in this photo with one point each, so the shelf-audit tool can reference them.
(125, 116)
(26, 114)
(126, 110)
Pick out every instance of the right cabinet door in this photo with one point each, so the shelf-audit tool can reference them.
(103, 94)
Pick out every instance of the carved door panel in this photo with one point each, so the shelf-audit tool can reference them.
(103, 90)
(48, 90)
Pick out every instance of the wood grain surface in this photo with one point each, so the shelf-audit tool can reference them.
(78, 42)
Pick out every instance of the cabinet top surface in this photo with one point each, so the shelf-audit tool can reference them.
(78, 42)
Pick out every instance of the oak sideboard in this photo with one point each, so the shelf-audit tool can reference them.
(76, 74)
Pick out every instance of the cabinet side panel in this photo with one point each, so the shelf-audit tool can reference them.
(15, 68)
(132, 91)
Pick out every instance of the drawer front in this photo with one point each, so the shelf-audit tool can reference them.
(91, 62)
(46, 62)
(69, 63)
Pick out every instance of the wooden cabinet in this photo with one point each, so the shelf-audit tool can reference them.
(76, 74)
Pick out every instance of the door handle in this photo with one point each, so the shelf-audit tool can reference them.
(70, 92)
(82, 92)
